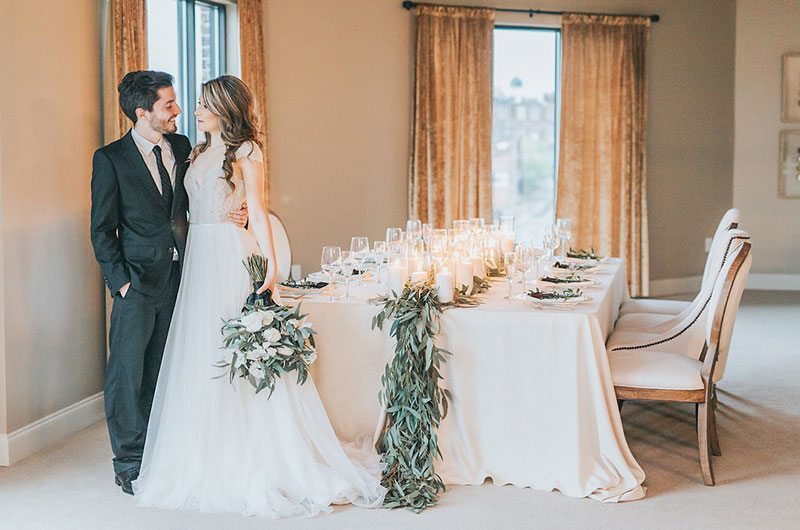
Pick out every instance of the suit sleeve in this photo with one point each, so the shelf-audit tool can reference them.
(105, 221)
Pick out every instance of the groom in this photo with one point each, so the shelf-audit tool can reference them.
(138, 230)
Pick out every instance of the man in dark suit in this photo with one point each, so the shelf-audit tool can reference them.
(138, 230)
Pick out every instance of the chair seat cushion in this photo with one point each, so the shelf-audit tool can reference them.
(632, 338)
(657, 370)
(652, 305)
(641, 321)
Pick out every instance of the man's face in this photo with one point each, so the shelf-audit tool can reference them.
(165, 111)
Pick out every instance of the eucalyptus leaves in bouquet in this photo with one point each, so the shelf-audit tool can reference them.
(266, 340)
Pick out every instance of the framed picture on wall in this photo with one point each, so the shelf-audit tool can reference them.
(789, 174)
(791, 88)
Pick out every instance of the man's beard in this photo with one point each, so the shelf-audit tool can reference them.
(163, 126)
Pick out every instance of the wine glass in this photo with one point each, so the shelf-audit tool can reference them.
(394, 237)
(564, 229)
(359, 252)
(379, 254)
(413, 229)
(331, 261)
(524, 260)
(346, 270)
(507, 224)
(510, 259)
(549, 239)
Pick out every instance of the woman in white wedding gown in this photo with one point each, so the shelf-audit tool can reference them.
(213, 446)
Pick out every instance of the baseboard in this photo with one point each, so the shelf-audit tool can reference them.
(773, 282)
(40, 434)
(756, 281)
(669, 286)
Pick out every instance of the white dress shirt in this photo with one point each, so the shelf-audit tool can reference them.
(146, 149)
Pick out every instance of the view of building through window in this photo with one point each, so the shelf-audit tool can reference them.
(524, 129)
(187, 39)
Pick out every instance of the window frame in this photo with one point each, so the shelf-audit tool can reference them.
(544, 24)
(187, 54)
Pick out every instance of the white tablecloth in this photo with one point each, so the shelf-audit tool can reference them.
(533, 400)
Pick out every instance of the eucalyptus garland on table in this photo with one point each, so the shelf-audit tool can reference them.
(414, 402)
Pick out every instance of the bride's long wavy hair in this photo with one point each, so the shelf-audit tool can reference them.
(232, 102)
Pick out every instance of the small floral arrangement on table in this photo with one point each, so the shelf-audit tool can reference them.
(582, 254)
(572, 278)
(573, 266)
(267, 339)
(565, 294)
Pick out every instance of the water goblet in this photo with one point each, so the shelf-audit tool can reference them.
(564, 231)
(359, 251)
(510, 259)
(331, 261)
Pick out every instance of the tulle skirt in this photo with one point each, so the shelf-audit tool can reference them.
(218, 447)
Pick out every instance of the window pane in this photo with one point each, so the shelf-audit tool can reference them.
(163, 46)
(524, 128)
(209, 48)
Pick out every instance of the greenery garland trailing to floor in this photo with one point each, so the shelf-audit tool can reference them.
(414, 402)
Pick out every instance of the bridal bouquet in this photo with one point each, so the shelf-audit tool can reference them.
(266, 340)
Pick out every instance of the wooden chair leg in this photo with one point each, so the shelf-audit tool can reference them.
(713, 440)
(702, 443)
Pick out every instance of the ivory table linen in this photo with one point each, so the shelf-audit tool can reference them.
(533, 399)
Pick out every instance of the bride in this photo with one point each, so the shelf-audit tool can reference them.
(210, 445)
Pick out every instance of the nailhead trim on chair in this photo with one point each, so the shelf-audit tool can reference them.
(702, 310)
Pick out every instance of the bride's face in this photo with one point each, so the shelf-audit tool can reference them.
(207, 121)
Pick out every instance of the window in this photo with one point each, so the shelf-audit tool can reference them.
(525, 127)
(191, 40)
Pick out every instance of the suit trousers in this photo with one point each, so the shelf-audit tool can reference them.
(137, 335)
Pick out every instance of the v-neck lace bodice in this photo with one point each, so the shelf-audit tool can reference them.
(211, 197)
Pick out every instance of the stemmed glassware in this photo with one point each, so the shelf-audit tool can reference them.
(413, 229)
(524, 260)
(564, 230)
(359, 252)
(510, 259)
(379, 255)
(331, 262)
(549, 239)
(394, 237)
(507, 224)
(347, 271)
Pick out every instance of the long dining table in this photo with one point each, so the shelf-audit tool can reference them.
(533, 401)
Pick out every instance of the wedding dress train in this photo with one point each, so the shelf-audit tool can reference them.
(216, 447)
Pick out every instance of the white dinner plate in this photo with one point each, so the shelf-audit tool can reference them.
(587, 282)
(558, 301)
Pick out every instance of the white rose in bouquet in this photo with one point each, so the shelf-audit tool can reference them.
(283, 350)
(253, 321)
(310, 357)
(272, 335)
(256, 353)
(256, 371)
(269, 317)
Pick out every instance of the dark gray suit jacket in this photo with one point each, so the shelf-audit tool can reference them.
(132, 230)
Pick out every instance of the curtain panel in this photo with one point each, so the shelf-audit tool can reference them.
(602, 182)
(450, 172)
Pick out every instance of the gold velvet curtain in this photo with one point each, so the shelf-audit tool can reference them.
(601, 175)
(450, 173)
(251, 44)
(124, 50)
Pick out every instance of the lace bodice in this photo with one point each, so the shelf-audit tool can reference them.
(210, 196)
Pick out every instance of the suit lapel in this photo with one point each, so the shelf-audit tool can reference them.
(140, 169)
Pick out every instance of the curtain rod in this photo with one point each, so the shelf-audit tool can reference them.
(653, 18)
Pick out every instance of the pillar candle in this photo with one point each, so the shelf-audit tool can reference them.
(445, 287)
(464, 273)
(397, 278)
(478, 268)
(508, 243)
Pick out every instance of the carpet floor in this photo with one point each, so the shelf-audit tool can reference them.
(70, 485)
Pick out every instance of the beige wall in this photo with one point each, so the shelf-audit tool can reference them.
(339, 76)
(52, 299)
(765, 29)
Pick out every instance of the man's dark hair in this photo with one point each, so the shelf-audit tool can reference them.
(139, 90)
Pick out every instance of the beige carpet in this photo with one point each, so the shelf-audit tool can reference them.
(758, 476)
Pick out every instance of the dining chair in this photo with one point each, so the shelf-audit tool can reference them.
(730, 220)
(674, 377)
(283, 250)
(683, 333)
